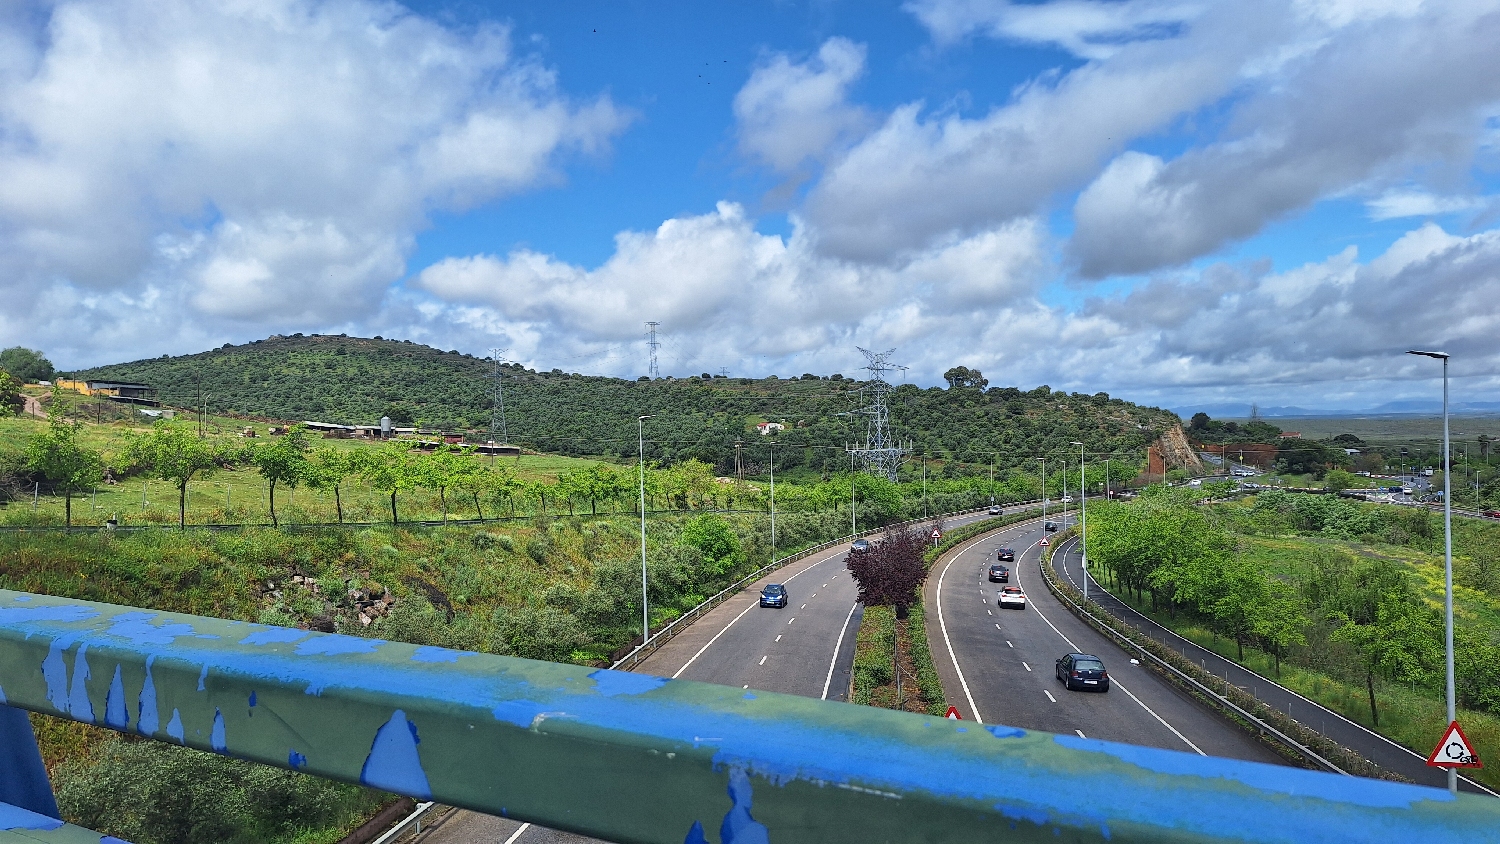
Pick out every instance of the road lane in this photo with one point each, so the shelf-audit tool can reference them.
(1007, 660)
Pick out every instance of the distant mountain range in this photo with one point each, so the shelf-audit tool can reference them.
(1391, 408)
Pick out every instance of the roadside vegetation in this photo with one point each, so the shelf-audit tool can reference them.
(1337, 599)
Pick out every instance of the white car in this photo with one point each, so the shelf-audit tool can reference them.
(1067, 499)
(1012, 597)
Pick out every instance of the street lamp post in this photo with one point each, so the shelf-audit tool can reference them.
(640, 427)
(1083, 514)
(853, 526)
(772, 446)
(1447, 555)
(1044, 486)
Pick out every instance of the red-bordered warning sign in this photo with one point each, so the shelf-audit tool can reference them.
(953, 714)
(1454, 751)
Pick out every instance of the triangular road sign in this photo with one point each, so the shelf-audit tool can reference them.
(1454, 751)
(953, 714)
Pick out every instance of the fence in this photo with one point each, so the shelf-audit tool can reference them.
(634, 758)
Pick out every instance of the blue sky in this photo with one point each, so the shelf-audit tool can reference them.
(1177, 202)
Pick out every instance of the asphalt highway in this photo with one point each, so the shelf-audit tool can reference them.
(805, 649)
(997, 666)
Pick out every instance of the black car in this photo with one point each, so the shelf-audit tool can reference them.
(1050, 527)
(1006, 555)
(1083, 671)
(999, 574)
(773, 595)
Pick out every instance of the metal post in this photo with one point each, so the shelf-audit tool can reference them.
(772, 446)
(853, 526)
(1083, 514)
(1044, 487)
(924, 485)
(640, 427)
(1447, 557)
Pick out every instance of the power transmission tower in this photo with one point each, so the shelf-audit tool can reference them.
(497, 408)
(652, 343)
(881, 453)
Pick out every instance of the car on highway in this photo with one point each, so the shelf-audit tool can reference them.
(773, 595)
(859, 545)
(1011, 597)
(1083, 671)
(1006, 555)
(1049, 527)
(1492, 514)
(1066, 499)
(999, 574)
(995, 510)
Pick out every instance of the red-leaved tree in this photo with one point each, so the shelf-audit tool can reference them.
(891, 572)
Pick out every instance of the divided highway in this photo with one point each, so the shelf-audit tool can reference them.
(997, 666)
(805, 649)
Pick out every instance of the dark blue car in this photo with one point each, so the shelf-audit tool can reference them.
(773, 595)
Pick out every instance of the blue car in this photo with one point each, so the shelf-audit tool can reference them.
(774, 595)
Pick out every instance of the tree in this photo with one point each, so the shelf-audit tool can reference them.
(57, 455)
(440, 470)
(715, 539)
(1399, 643)
(326, 469)
(283, 461)
(1199, 422)
(172, 451)
(11, 402)
(390, 470)
(891, 572)
(27, 365)
(962, 376)
(1338, 480)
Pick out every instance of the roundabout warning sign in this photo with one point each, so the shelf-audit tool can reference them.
(1454, 751)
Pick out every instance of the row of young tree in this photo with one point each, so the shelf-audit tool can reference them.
(1165, 548)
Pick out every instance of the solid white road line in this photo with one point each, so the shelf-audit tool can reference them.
(832, 663)
(943, 625)
(515, 836)
(1115, 682)
(1049, 696)
(685, 665)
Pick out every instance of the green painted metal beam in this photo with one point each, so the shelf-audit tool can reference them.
(634, 758)
(20, 826)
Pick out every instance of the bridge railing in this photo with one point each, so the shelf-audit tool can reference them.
(634, 758)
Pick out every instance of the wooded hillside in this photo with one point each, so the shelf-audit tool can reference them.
(356, 380)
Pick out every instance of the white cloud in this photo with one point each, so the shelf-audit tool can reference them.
(1088, 28)
(791, 112)
(1395, 204)
(252, 164)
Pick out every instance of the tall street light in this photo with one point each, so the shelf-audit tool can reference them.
(853, 528)
(773, 501)
(1083, 513)
(1447, 554)
(640, 429)
(1044, 486)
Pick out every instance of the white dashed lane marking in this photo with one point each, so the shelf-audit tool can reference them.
(1049, 696)
(1008, 644)
(1024, 665)
(762, 661)
(1080, 733)
(778, 637)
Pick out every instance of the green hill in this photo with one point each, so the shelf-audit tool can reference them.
(356, 380)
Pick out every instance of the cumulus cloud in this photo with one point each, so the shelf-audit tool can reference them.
(1394, 204)
(254, 164)
(1383, 98)
(790, 112)
(1088, 28)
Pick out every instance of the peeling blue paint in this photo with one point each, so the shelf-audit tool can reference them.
(79, 705)
(55, 671)
(1291, 781)
(2, 695)
(252, 698)
(14, 817)
(23, 597)
(202, 676)
(149, 721)
(216, 739)
(427, 653)
(137, 627)
(274, 636)
(393, 763)
(67, 613)
(333, 644)
(748, 696)
(695, 835)
(296, 760)
(116, 714)
(174, 727)
(610, 683)
(1002, 731)
(1023, 813)
(738, 826)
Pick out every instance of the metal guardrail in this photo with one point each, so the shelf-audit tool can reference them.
(634, 758)
(1182, 677)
